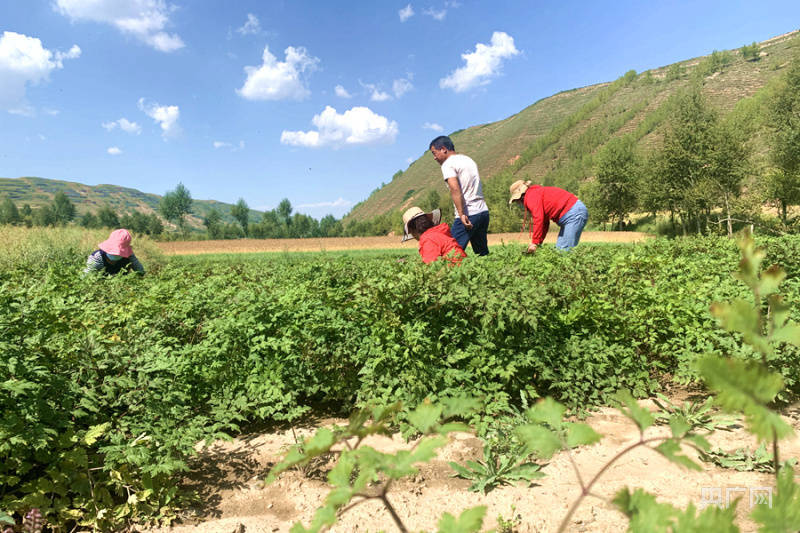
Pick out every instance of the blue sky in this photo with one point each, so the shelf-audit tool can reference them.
(315, 101)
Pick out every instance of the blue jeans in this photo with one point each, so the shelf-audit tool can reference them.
(475, 236)
(572, 224)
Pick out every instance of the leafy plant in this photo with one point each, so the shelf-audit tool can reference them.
(497, 469)
(746, 460)
(699, 415)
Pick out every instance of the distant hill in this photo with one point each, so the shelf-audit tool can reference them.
(40, 191)
(551, 141)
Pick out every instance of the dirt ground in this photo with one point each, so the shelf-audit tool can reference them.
(229, 478)
(362, 243)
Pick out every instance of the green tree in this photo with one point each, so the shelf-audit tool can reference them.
(63, 208)
(89, 220)
(683, 164)
(284, 211)
(612, 195)
(107, 217)
(154, 226)
(241, 212)
(175, 205)
(329, 226)
(750, 52)
(727, 168)
(213, 224)
(9, 214)
(45, 216)
(784, 112)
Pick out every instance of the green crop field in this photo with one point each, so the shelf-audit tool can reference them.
(108, 384)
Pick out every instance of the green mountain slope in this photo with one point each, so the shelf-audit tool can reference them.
(553, 140)
(40, 191)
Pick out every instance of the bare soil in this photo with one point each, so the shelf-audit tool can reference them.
(363, 243)
(228, 477)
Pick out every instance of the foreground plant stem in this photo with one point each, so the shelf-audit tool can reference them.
(586, 490)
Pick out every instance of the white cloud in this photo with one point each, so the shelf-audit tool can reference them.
(482, 64)
(341, 92)
(356, 126)
(279, 80)
(436, 15)
(339, 202)
(143, 19)
(251, 27)
(406, 13)
(166, 116)
(114, 151)
(125, 125)
(23, 61)
(51, 112)
(231, 146)
(432, 126)
(376, 95)
(401, 86)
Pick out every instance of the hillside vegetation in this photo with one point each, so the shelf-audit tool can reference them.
(555, 141)
(38, 192)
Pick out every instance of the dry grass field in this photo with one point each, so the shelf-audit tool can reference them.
(361, 243)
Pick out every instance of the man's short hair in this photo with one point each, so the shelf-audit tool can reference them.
(442, 141)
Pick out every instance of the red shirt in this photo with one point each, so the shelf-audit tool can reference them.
(546, 204)
(438, 242)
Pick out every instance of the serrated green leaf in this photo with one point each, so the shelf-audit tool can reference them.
(470, 521)
(547, 411)
(95, 432)
(746, 387)
(580, 434)
(784, 513)
(635, 412)
(672, 451)
(539, 440)
(788, 333)
(678, 425)
(425, 417)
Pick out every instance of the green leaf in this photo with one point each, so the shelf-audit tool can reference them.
(425, 417)
(539, 440)
(580, 434)
(6, 519)
(95, 432)
(746, 387)
(638, 414)
(470, 521)
(672, 451)
(789, 333)
(547, 411)
(784, 514)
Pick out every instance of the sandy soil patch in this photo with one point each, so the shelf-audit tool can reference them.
(228, 476)
(362, 243)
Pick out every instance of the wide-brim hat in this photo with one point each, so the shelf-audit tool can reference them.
(413, 212)
(518, 189)
(118, 243)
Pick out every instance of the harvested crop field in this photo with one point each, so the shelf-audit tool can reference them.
(362, 243)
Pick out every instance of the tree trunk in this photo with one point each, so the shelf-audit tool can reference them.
(728, 213)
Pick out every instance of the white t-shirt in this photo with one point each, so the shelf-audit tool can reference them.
(464, 168)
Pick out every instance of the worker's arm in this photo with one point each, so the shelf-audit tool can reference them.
(458, 200)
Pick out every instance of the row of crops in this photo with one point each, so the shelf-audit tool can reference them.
(107, 384)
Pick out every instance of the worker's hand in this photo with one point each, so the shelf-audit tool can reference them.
(531, 248)
(466, 222)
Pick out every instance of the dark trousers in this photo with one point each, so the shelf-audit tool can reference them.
(475, 236)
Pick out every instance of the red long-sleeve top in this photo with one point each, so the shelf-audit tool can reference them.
(546, 204)
(438, 242)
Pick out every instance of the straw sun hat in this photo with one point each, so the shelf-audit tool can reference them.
(518, 189)
(414, 212)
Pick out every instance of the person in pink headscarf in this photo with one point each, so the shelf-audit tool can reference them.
(114, 255)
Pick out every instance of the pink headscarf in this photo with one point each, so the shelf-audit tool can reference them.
(118, 243)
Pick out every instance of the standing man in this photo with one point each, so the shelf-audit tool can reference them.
(471, 213)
